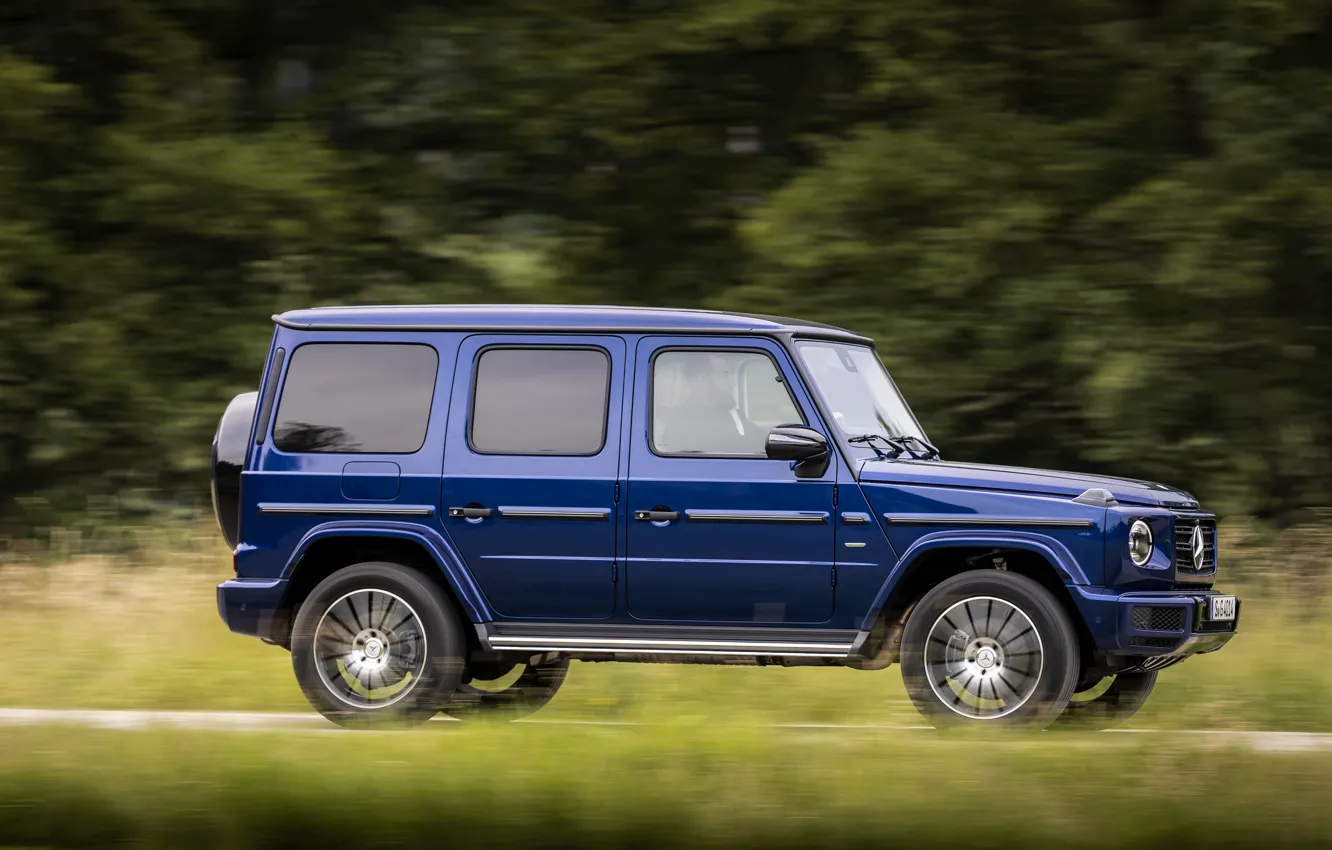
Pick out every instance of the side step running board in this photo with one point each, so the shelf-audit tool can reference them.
(660, 642)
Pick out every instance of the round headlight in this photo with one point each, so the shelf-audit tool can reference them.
(1140, 542)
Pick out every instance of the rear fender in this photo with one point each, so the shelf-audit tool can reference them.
(439, 547)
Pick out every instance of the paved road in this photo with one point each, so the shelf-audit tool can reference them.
(240, 721)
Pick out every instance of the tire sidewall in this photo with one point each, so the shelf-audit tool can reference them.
(535, 686)
(1059, 648)
(445, 644)
(1126, 695)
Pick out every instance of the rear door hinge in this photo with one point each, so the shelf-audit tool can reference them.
(617, 492)
(834, 576)
(615, 572)
(834, 495)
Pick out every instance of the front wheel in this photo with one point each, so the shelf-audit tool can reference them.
(507, 691)
(989, 647)
(377, 644)
(1108, 704)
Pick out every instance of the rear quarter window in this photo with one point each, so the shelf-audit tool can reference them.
(356, 398)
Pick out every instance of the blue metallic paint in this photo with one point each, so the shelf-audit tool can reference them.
(532, 566)
(835, 572)
(442, 550)
(368, 480)
(1051, 549)
(742, 570)
(1013, 479)
(274, 477)
(894, 491)
(1107, 613)
(248, 606)
(864, 569)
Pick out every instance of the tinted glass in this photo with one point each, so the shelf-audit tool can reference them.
(358, 397)
(549, 401)
(717, 403)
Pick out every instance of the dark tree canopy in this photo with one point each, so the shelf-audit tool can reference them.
(1088, 234)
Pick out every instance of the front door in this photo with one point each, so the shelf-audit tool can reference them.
(717, 531)
(531, 462)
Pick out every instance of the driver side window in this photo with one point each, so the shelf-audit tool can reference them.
(717, 403)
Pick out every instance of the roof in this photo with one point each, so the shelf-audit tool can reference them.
(553, 318)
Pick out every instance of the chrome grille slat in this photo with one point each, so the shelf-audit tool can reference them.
(1184, 526)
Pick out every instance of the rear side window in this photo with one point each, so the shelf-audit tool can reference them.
(540, 401)
(358, 398)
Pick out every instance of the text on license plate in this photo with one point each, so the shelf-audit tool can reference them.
(1221, 608)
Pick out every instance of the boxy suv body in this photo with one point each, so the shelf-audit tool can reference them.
(437, 508)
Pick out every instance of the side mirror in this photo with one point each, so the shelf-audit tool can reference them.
(802, 444)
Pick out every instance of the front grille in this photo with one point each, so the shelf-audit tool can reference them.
(1184, 564)
(1158, 618)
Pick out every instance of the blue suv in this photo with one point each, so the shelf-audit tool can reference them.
(435, 509)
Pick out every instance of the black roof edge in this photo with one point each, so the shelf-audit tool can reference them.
(802, 332)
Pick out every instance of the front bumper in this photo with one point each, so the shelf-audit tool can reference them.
(250, 607)
(1152, 623)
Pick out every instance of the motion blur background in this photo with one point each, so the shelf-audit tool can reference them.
(1087, 234)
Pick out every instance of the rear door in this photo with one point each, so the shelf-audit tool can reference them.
(531, 466)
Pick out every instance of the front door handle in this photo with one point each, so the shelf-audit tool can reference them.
(656, 516)
(470, 513)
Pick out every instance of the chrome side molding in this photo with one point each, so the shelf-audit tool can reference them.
(368, 509)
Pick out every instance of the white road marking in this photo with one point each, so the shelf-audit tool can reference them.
(250, 721)
(98, 719)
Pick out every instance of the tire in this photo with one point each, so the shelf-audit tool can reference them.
(390, 646)
(535, 686)
(1126, 694)
(990, 647)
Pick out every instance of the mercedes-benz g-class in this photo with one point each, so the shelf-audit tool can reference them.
(436, 509)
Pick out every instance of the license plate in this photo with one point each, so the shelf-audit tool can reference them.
(1221, 608)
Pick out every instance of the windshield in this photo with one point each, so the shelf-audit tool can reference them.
(857, 390)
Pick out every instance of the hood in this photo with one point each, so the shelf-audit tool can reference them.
(1016, 479)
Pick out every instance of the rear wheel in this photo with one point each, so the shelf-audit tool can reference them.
(377, 644)
(507, 691)
(1109, 702)
(989, 647)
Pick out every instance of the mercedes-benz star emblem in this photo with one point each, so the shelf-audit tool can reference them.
(1197, 547)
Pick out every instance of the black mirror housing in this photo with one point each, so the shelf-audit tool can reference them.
(802, 444)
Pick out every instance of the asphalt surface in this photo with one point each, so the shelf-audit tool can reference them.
(239, 721)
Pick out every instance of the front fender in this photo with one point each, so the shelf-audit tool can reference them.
(440, 548)
(1048, 547)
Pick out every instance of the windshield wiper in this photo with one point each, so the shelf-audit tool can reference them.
(897, 446)
(931, 453)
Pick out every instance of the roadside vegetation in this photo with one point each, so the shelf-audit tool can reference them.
(715, 757)
(140, 630)
(1087, 235)
(694, 785)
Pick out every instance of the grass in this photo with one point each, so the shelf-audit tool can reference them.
(677, 785)
(143, 632)
(707, 769)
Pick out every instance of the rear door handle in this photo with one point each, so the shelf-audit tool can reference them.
(470, 513)
(656, 516)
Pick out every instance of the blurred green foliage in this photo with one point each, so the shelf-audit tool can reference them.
(1087, 233)
(690, 786)
(177, 655)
